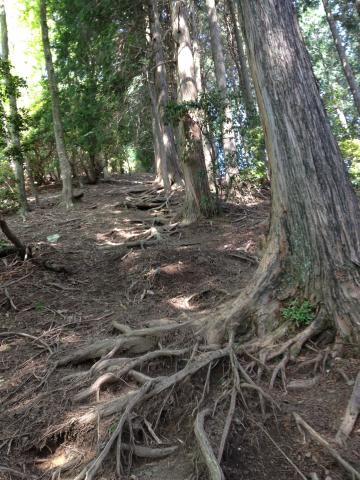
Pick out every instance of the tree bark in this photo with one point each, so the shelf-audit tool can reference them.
(65, 166)
(313, 247)
(161, 163)
(167, 131)
(244, 77)
(14, 144)
(210, 160)
(10, 235)
(357, 4)
(354, 87)
(198, 199)
(33, 188)
(220, 74)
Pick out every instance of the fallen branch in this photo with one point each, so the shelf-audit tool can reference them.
(319, 439)
(215, 472)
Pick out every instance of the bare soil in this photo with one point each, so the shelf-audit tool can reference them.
(77, 284)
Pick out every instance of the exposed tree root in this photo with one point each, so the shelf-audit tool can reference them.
(146, 452)
(22, 250)
(115, 372)
(16, 473)
(212, 464)
(228, 422)
(303, 384)
(103, 347)
(351, 414)
(151, 388)
(280, 368)
(324, 443)
(147, 346)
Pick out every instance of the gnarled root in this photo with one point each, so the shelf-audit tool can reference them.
(134, 341)
(324, 443)
(115, 372)
(351, 414)
(212, 464)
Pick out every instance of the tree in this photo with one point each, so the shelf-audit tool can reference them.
(167, 137)
(198, 199)
(14, 119)
(313, 244)
(207, 142)
(244, 77)
(354, 87)
(220, 74)
(65, 167)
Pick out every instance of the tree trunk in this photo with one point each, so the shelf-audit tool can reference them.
(14, 144)
(198, 199)
(244, 77)
(65, 166)
(33, 188)
(220, 74)
(10, 235)
(210, 160)
(313, 247)
(161, 163)
(357, 4)
(354, 87)
(167, 137)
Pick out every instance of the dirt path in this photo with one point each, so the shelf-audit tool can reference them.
(99, 279)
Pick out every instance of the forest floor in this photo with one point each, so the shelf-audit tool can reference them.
(101, 268)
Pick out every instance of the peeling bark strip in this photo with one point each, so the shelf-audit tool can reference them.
(354, 87)
(65, 166)
(14, 134)
(314, 239)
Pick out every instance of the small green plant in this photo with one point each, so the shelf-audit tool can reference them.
(302, 313)
(39, 307)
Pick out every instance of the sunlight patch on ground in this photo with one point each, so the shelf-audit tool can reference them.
(182, 302)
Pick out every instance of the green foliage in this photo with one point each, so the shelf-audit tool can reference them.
(8, 191)
(176, 111)
(39, 306)
(350, 150)
(300, 312)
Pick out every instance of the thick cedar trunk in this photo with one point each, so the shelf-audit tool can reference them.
(13, 128)
(244, 77)
(220, 74)
(162, 95)
(65, 166)
(314, 240)
(198, 199)
(354, 87)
